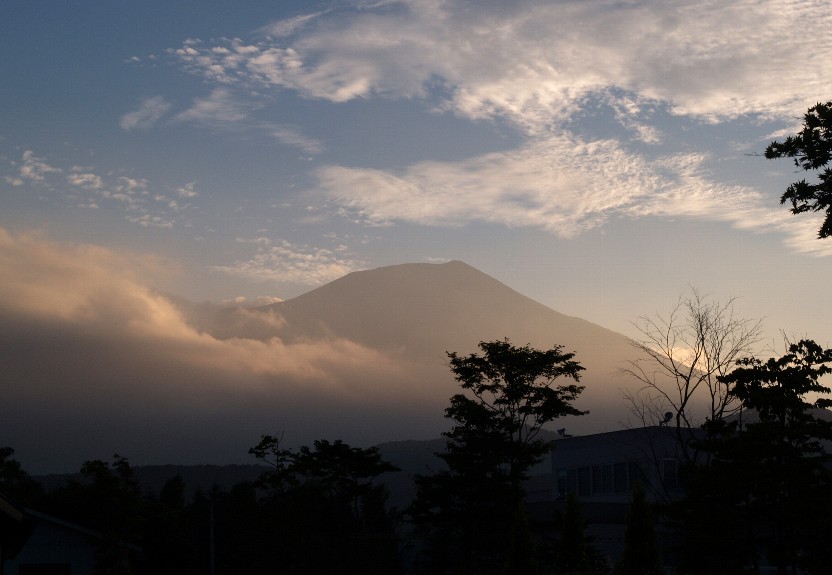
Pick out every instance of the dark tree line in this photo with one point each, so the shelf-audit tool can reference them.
(763, 494)
(319, 512)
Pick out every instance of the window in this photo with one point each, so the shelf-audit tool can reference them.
(633, 475)
(597, 479)
(670, 473)
(44, 569)
(607, 474)
(572, 481)
(620, 477)
(584, 482)
(562, 484)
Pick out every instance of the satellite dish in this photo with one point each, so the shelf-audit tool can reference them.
(667, 417)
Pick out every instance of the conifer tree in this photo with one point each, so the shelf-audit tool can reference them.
(641, 548)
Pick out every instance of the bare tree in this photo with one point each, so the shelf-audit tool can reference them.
(681, 358)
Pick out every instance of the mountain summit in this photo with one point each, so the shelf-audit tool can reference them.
(430, 309)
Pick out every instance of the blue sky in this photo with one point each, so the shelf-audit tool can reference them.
(596, 156)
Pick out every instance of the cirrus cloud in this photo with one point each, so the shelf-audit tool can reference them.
(563, 185)
(149, 112)
(711, 59)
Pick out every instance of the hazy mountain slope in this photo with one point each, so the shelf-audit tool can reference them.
(430, 307)
(420, 311)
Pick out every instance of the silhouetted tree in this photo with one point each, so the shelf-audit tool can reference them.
(107, 499)
(575, 554)
(812, 151)
(514, 395)
(324, 497)
(521, 555)
(641, 546)
(769, 473)
(571, 556)
(15, 482)
(279, 477)
(682, 356)
(467, 509)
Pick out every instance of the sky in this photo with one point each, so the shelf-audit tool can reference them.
(599, 157)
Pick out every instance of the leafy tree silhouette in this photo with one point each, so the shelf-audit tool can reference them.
(467, 511)
(811, 150)
(769, 472)
(641, 547)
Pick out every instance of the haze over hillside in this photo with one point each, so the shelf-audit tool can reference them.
(361, 359)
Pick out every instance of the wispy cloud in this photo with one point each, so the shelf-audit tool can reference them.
(565, 186)
(150, 111)
(35, 169)
(84, 179)
(290, 263)
(219, 108)
(187, 191)
(291, 136)
(79, 186)
(704, 59)
(289, 26)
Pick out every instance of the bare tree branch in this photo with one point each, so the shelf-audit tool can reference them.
(680, 358)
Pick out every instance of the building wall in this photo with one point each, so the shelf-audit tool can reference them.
(605, 467)
(54, 549)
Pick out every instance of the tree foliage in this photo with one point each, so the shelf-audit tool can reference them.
(514, 394)
(15, 482)
(769, 472)
(325, 497)
(467, 510)
(812, 151)
(641, 554)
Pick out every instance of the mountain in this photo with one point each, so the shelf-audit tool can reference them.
(363, 359)
(422, 311)
(430, 308)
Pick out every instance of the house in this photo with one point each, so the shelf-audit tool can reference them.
(602, 470)
(13, 530)
(605, 467)
(57, 547)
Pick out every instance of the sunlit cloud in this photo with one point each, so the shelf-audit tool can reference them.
(134, 198)
(84, 336)
(86, 180)
(562, 185)
(292, 137)
(702, 59)
(220, 107)
(187, 191)
(35, 169)
(565, 186)
(150, 111)
(290, 263)
(644, 61)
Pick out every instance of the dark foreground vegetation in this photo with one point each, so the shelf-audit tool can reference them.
(758, 493)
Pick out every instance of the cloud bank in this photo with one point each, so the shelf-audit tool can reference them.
(93, 361)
